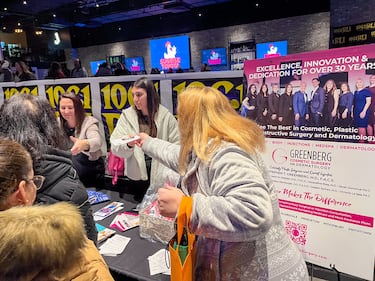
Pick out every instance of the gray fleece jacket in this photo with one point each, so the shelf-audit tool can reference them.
(235, 216)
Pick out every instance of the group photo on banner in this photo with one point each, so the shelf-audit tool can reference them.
(323, 95)
(317, 112)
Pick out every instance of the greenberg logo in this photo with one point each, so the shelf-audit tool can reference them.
(310, 155)
(279, 156)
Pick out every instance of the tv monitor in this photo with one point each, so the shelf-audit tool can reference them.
(94, 65)
(170, 53)
(271, 49)
(113, 59)
(135, 64)
(215, 56)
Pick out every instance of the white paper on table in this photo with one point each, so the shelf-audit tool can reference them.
(114, 245)
(159, 262)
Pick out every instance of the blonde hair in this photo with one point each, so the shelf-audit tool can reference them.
(206, 118)
(40, 242)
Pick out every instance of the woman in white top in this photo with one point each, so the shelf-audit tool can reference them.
(147, 115)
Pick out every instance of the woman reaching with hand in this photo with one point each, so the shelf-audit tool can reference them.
(235, 210)
(87, 142)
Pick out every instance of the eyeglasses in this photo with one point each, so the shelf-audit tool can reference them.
(37, 180)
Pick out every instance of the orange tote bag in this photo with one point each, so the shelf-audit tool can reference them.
(181, 247)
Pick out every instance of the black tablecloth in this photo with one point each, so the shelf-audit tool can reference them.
(132, 262)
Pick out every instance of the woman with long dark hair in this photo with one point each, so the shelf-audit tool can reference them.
(147, 115)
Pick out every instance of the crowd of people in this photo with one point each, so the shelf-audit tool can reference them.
(218, 167)
(333, 104)
(41, 242)
(21, 71)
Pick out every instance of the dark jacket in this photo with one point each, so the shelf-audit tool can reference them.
(317, 101)
(62, 184)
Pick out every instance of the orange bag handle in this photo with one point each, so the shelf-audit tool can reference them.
(183, 218)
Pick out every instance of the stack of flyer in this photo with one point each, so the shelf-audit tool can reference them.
(125, 221)
(108, 210)
(104, 232)
(96, 197)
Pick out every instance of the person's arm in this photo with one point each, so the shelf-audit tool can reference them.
(350, 104)
(296, 101)
(124, 127)
(169, 198)
(321, 97)
(89, 139)
(245, 103)
(365, 108)
(238, 206)
(84, 72)
(336, 95)
(93, 136)
(165, 152)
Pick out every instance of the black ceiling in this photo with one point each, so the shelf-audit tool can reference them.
(55, 14)
(97, 21)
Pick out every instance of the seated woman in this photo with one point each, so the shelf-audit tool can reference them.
(31, 121)
(40, 242)
(87, 143)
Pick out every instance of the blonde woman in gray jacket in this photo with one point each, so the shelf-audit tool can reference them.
(235, 210)
(87, 142)
(147, 115)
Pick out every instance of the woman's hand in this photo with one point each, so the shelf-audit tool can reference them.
(143, 137)
(169, 199)
(130, 143)
(79, 145)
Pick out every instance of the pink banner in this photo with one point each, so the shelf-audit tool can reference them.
(337, 107)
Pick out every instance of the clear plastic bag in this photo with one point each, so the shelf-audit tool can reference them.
(165, 176)
(154, 226)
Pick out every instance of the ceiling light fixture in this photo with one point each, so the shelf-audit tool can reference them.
(57, 40)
